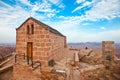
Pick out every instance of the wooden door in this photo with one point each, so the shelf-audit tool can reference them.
(30, 50)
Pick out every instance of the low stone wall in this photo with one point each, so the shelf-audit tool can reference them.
(6, 73)
(21, 72)
(92, 73)
(25, 72)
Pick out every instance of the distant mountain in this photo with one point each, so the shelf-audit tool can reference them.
(95, 46)
(92, 45)
(7, 44)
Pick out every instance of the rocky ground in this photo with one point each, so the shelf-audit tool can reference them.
(89, 68)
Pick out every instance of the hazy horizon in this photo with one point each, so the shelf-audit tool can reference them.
(70, 43)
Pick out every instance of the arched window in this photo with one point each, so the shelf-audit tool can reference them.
(28, 29)
(32, 29)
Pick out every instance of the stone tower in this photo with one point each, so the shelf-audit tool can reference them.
(107, 53)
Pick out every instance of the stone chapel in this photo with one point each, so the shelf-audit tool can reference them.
(39, 41)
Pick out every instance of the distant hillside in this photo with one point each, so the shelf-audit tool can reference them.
(7, 44)
(95, 45)
(92, 45)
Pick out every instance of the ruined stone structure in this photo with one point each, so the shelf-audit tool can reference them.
(107, 52)
(39, 41)
(107, 69)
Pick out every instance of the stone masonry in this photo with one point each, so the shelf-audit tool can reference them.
(47, 43)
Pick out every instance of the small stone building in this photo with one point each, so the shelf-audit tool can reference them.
(39, 41)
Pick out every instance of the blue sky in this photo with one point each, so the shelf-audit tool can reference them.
(79, 20)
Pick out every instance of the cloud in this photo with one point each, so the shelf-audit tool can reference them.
(103, 28)
(11, 16)
(73, 29)
(79, 1)
(44, 7)
(7, 35)
(50, 15)
(105, 9)
(57, 3)
(26, 2)
(81, 36)
(86, 3)
(71, 26)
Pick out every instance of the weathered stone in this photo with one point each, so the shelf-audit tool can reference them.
(42, 37)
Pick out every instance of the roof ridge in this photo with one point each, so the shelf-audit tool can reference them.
(50, 28)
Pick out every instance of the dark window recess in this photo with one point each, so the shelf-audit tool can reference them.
(51, 63)
(32, 29)
(28, 29)
(108, 57)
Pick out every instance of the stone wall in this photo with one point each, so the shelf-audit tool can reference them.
(46, 44)
(6, 73)
(108, 50)
(57, 46)
(21, 72)
(108, 55)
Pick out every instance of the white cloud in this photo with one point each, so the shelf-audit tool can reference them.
(81, 36)
(7, 35)
(55, 1)
(44, 7)
(50, 15)
(58, 3)
(105, 9)
(71, 27)
(85, 24)
(2, 4)
(86, 3)
(103, 28)
(10, 18)
(79, 1)
(26, 2)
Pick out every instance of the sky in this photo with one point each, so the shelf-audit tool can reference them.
(79, 20)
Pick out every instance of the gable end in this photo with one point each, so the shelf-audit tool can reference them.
(44, 25)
